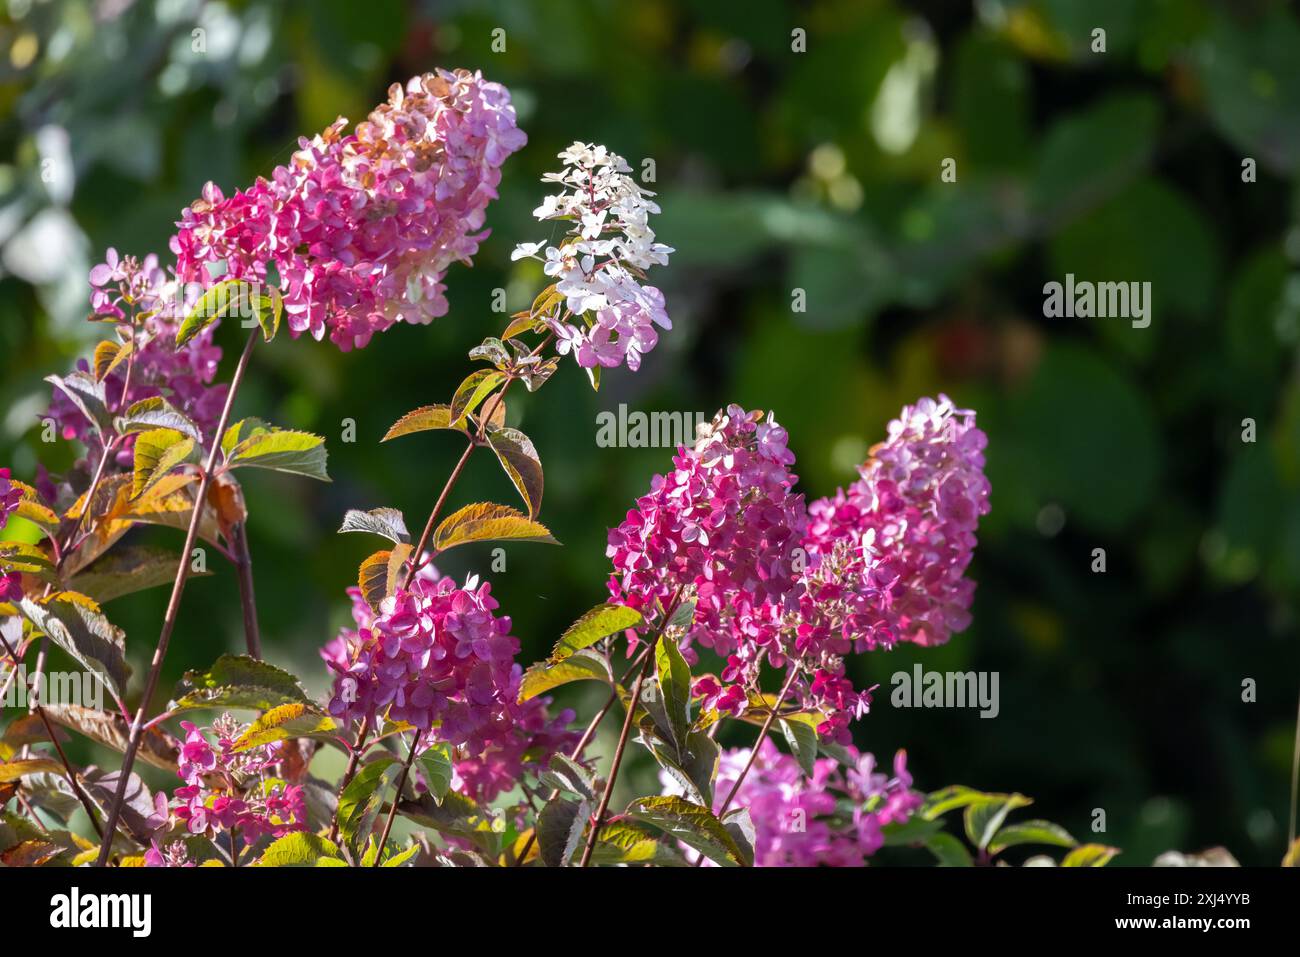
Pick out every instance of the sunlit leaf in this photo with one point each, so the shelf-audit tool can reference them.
(486, 522)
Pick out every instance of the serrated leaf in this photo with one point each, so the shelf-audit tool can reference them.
(282, 450)
(25, 557)
(601, 622)
(436, 769)
(157, 746)
(360, 800)
(241, 430)
(301, 849)
(693, 825)
(518, 456)
(222, 299)
(37, 512)
(74, 622)
(157, 452)
(127, 570)
(476, 387)
(109, 355)
(1031, 832)
(156, 412)
(953, 797)
(379, 574)
(87, 394)
(622, 842)
(564, 774)
(294, 720)
(1089, 855)
(580, 666)
(948, 851)
(560, 827)
(388, 522)
(984, 818)
(400, 858)
(803, 744)
(16, 770)
(487, 522)
(674, 677)
(238, 681)
(694, 768)
(424, 419)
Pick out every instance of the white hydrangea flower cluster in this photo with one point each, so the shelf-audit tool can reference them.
(599, 266)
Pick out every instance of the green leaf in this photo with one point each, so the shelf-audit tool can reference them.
(129, 569)
(74, 622)
(238, 681)
(517, 455)
(984, 818)
(243, 429)
(623, 842)
(301, 849)
(226, 298)
(476, 387)
(1089, 855)
(436, 768)
(87, 395)
(156, 412)
(157, 452)
(674, 677)
(424, 419)
(948, 850)
(361, 799)
(802, 739)
(694, 768)
(565, 774)
(913, 831)
(388, 522)
(282, 450)
(1031, 832)
(486, 522)
(560, 827)
(601, 622)
(397, 860)
(24, 557)
(581, 666)
(692, 824)
(295, 720)
(953, 797)
(267, 309)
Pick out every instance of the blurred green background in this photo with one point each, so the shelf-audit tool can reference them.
(781, 170)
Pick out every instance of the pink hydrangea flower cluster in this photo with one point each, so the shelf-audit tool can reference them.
(833, 818)
(225, 791)
(722, 530)
(362, 227)
(437, 657)
(140, 294)
(883, 562)
(11, 584)
(888, 557)
(598, 265)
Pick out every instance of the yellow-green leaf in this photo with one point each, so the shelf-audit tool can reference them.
(424, 419)
(157, 452)
(487, 522)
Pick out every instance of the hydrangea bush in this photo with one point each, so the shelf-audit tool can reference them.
(732, 599)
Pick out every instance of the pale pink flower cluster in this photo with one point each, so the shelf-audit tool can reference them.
(141, 294)
(228, 792)
(833, 818)
(778, 585)
(361, 227)
(437, 657)
(888, 557)
(611, 315)
(721, 530)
